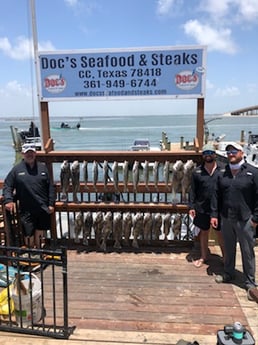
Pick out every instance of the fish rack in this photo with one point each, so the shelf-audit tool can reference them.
(154, 197)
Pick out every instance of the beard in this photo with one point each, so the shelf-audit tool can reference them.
(209, 159)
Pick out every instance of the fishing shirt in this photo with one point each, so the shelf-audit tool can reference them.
(32, 186)
(202, 189)
(237, 196)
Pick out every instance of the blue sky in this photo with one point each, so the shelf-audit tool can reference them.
(228, 28)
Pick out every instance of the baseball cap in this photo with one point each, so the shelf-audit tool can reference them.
(208, 147)
(235, 145)
(28, 147)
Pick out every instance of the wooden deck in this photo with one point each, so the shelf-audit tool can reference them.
(151, 297)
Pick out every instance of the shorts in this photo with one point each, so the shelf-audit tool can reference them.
(203, 221)
(34, 221)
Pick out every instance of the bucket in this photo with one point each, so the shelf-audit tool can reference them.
(23, 295)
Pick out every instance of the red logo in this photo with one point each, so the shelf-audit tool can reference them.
(186, 80)
(55, 83)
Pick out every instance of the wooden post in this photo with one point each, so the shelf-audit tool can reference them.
(200, 121)
(45, 128)
(47, 145)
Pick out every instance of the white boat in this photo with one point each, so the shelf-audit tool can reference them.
(143, 145)
(251, 150)
(30, 136)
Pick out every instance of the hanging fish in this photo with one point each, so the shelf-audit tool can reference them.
(135, 175)
(166, 173)
(127, 227)
(75, 175)
(117, 230)
(146, 174)
(88, 223)
(65, 175)
(107, 230)
(95, 174)
(85, 174)
(186, 180)
(156, 174)
(177, 175)
(137, 229)
(115, 175)
(176, 228)
(157, 223)
(97, 227)
(166, 226)
(78, 226)
(125, 175)
(105, 173)
(147, 227)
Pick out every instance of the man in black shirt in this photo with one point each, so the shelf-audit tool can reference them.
(203, 182)
(30, 184)
(236, 196)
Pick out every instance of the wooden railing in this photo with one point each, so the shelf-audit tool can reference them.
(150, 198)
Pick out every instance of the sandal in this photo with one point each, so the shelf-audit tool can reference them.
(199, 263)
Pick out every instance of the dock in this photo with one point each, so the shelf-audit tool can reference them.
(149, 297)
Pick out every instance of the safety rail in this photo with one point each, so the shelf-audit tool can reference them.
(34, 292)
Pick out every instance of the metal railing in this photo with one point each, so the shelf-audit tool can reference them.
(34, 292)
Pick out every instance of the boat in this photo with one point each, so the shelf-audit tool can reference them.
(251, 150)
(65, 125)
(30, 136)
(143, 145)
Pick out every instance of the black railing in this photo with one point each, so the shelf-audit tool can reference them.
(34, 292)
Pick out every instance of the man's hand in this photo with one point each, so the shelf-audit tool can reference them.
(254, 225)
(51, 209)
(192, 213)
(10, 206)
(214, 222)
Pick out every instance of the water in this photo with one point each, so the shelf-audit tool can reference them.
(118, 133)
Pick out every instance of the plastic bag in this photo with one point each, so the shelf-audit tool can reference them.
(4, 282)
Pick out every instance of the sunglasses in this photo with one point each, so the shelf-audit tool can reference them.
(208, 153)
(232, 152)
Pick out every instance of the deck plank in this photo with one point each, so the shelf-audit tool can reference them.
(147, 296)
(159, 292)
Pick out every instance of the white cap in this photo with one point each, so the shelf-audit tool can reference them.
(235, 145)
(28, 147)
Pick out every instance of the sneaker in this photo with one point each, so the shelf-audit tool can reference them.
(252, 294)
(223, 278)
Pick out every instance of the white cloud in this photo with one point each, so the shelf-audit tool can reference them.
(227, 92)
(209, 84)
(23, 48)
(14, 88)
(71, 3)
(215, 39)
(164, 6)
(231, 11)
(252, 88)
(215, 8)
(248, 10)
(16, 99)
